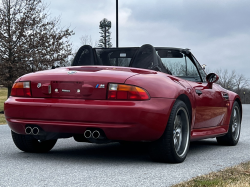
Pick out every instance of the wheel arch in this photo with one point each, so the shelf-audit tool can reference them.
(240, 104)
(186, 100)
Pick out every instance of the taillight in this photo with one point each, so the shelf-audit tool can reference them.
(21, 89)
(126, 92)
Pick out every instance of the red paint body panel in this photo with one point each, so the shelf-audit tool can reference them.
(208, 132)
(160, 85)
(120, 120)
(232, 97)
(211, 107)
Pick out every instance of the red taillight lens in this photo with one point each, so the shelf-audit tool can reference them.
(126, 92)
(21, 89)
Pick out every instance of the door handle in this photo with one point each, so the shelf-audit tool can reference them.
(199, 92)
(225, 96)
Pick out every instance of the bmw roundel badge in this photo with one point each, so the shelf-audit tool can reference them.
(39, 85)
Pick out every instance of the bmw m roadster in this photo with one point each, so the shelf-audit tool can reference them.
(159, 95)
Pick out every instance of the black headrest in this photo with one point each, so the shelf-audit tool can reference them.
(145, 57)
(84, 56)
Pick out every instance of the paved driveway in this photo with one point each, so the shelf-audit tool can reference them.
(82, 164)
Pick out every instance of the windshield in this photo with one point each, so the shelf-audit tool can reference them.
(178, 63)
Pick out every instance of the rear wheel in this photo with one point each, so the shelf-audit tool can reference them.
(174, 144)
(233, 134)
(28, 143)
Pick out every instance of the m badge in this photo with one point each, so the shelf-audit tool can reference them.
(100, 86)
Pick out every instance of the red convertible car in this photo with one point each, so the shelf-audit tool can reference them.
(158, 95)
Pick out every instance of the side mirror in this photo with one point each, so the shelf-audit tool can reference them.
(211, 78)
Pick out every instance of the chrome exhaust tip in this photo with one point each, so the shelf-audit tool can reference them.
(28, 130)
(87, 134)
(96, 134)
(35, 131)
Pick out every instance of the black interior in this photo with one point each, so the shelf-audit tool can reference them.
(145, 57)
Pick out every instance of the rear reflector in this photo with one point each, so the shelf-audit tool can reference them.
(126, 92)
(21, 89)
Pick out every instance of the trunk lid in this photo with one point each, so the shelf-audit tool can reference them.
(86, 82)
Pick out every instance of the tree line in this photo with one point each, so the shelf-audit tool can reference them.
(233, 81)
(30, 40)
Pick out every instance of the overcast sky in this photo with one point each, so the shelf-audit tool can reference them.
(216, 31)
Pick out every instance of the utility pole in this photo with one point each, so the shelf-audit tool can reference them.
(105, 37)
(117, 24)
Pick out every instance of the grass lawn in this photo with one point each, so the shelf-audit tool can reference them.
(235, 176)
(3, 97)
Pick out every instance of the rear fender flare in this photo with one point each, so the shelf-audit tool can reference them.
(186, 100)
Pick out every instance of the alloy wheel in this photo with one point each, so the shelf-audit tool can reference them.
(236, 123)
(181, 132)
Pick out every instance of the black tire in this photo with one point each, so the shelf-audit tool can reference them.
(28, 143)
(165, 149)
(233, 135)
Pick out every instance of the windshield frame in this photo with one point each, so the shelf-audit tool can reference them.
(134, 50)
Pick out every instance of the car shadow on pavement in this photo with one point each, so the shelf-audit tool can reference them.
(206, 145)
(108, 153)
(86, 152)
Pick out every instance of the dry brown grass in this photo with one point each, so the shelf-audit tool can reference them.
(2, 119)
(238, 176)
(3, 97)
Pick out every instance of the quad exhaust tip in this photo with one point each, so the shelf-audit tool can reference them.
(33, 131)
(28, 130)
(96, 134)
(87, 134)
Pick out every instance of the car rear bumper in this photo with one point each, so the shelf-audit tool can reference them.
(120, 120)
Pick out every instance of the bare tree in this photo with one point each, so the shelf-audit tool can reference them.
(241, 83)
(86, 40)
(226, 79)
(29, 40)
(235, 82)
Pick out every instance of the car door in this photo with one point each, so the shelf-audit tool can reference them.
(210, 107)
(210, 104)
